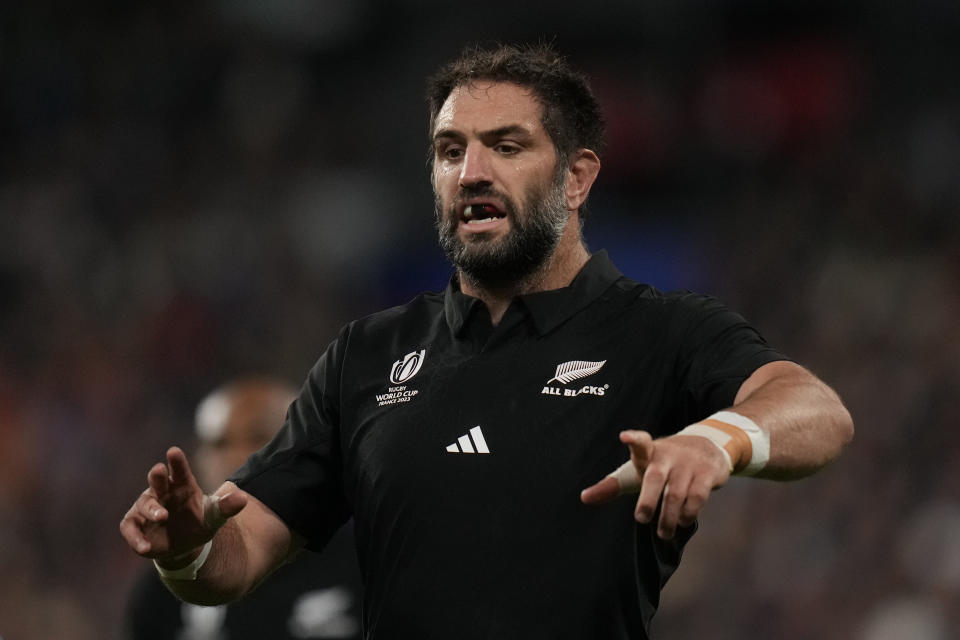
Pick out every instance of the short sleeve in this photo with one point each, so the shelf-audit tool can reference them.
(299, 474)
(718, 351)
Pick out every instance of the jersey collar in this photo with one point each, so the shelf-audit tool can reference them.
(547, 309)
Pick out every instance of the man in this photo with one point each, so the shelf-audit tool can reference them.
(461, 429)
(314, 597)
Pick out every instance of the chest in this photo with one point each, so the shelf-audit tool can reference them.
(436, 424)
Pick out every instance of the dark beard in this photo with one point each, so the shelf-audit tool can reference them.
(522, 253)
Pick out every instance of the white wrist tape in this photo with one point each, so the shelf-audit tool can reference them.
(190, 571)
(745, 445)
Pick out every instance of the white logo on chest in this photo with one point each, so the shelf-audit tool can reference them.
(407, 366)
(567, 372)
(401, 371)
(472, 442)
(574, 370)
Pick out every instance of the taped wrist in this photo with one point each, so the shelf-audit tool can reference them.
(190, 571)
(745, 445)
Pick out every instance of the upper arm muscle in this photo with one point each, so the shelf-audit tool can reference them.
(765, 374)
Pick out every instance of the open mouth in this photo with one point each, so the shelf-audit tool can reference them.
(481, 212)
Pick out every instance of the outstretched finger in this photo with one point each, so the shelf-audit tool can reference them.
(180, 473)
(627, 477)
(624, 480)
(641, 447)
(159, 480)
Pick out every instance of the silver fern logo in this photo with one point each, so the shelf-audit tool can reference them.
(567, 372)
(574, 370)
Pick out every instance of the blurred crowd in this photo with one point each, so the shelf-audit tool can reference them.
(190, 193)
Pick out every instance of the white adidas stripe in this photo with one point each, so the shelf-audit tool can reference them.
(464, 444)
(479, 440)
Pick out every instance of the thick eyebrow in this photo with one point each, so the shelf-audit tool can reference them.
(515, 130)
(493, 134)
(448, 134)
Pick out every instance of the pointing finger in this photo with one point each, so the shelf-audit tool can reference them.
(180, 473)
(625, 479)
(641, 447)
(158, 480)
(603, 491)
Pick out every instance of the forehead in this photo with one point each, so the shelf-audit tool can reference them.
(484, 105)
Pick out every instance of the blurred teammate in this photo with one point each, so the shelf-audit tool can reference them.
(466, 431)
(312, 597)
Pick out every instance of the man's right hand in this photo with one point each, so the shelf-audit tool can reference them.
(172, 518)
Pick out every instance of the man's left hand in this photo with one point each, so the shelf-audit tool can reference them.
(676, 472)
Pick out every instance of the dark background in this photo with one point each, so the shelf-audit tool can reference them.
(190, 191)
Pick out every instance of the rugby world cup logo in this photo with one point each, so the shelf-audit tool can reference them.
(407, 366)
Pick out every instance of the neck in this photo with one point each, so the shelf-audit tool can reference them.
(558, 272)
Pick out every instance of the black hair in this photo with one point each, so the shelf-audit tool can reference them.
(571, 114)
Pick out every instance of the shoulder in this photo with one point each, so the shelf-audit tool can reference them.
(630, 288)
(649, 299)
(389, 333)
(682, 301)
(425, 306)
(386, 331)
(678, 317)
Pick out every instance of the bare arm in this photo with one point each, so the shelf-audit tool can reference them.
(807, 424)
(172, 520)
(246, 549)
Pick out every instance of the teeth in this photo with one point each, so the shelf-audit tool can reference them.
(472, 212)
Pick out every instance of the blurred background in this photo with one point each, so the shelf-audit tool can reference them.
(192, 191)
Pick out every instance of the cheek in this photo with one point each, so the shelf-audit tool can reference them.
(445, 176)
(444, 189)
(438, 175)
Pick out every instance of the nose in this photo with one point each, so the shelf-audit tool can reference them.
(476, 168)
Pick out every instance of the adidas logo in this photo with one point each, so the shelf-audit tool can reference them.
(472, 442)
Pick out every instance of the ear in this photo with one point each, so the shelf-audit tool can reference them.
(584, 167)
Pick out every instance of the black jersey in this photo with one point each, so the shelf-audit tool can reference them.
(460, 448)
(315, 596)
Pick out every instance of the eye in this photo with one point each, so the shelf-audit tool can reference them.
(449, 152)
(506, 148)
